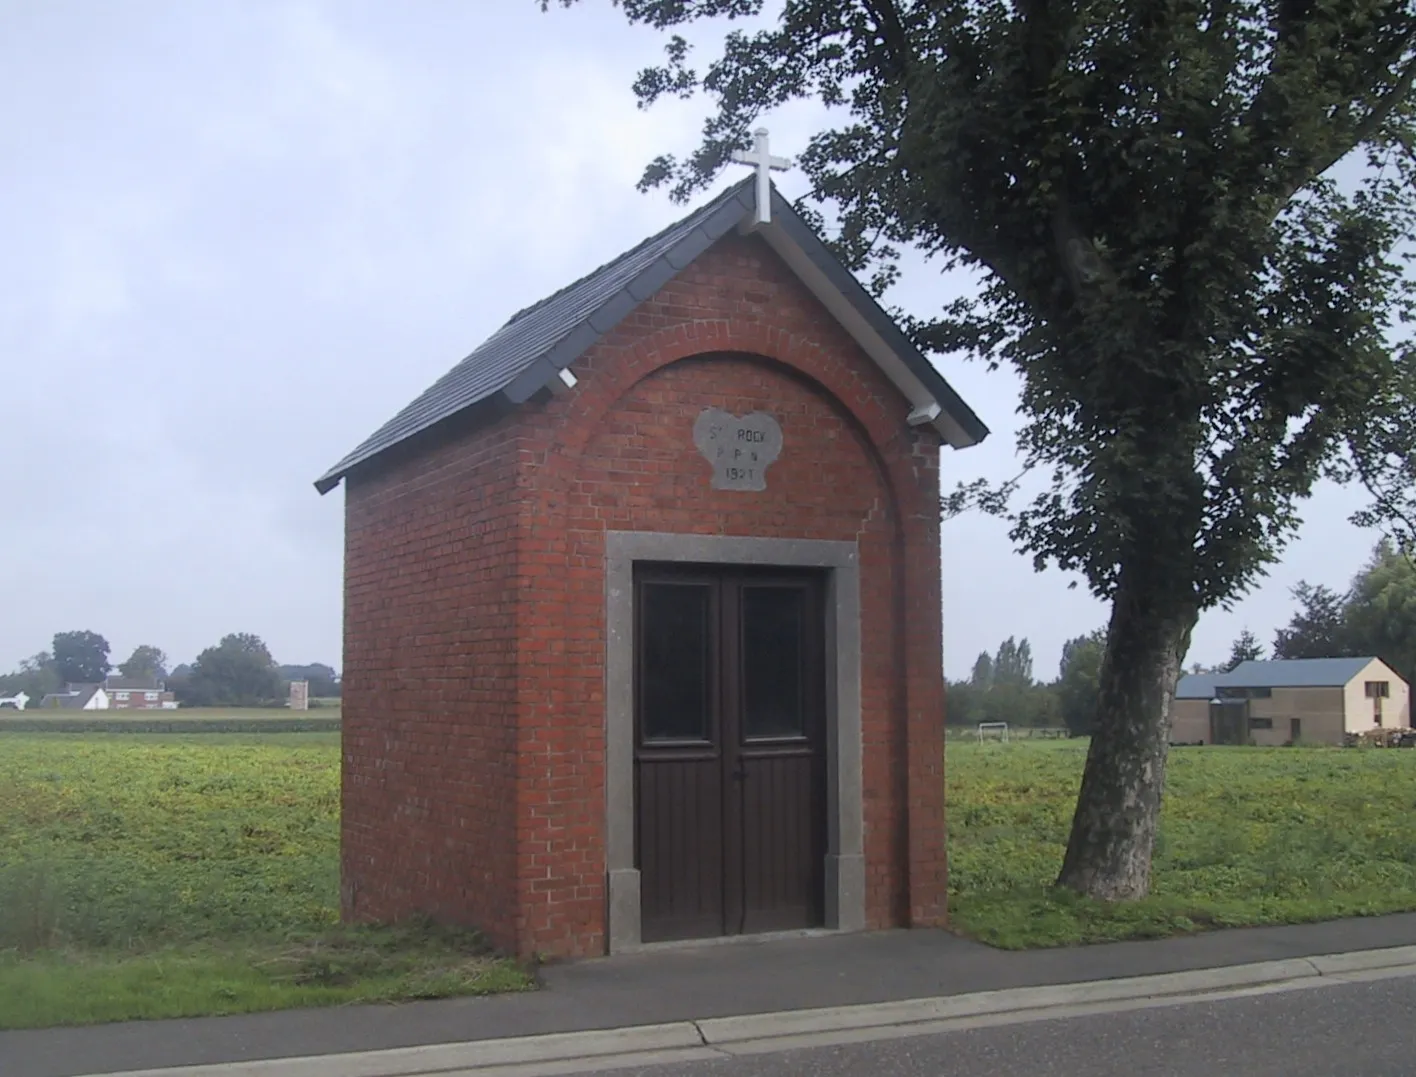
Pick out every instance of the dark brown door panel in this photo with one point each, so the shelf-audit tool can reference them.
(730, 751)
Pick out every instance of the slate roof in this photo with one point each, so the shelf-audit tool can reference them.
(1296, 673)
(73, 700)
(538, 342)
(1275, 673)
(137, 684)
(1196, 686)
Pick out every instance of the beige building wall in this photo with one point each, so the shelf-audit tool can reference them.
(1318, 711)
(1323, 714)
(1396, 708)
(1190, 721)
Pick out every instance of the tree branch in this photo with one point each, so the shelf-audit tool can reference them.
(1086, 273)
(1369, 126)
(892, 29)
(1387, 507)
(980, 494)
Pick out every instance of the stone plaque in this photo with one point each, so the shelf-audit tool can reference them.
(740, 450)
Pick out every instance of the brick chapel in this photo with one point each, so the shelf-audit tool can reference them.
(642, 627)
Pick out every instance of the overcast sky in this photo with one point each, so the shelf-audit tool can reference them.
(236, 237)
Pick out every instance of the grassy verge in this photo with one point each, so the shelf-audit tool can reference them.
(165, 876)
(1248, 836)
(246, 720)
(77, 986)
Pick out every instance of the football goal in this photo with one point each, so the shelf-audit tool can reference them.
(996, 729)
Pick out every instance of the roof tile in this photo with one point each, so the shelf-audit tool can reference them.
(1274, 673)
(520, 357)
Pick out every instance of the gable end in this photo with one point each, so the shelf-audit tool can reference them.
(528, 353)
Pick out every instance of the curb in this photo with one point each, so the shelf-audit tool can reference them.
(720, 1037)
(603, 1044)
(726, 1032)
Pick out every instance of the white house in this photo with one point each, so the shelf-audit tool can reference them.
(14, 702)
(79, 697)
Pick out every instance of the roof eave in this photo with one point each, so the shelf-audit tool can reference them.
(545, 370)
(869, 324)
(931, 399)
(480, 412)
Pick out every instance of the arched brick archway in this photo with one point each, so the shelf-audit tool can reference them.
(599, 548)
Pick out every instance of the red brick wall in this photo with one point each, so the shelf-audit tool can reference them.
(470, 643)
(618, 453)
(429, 728)
(137, 700)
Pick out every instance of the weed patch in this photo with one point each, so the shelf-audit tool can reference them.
(165, 876)
(1248, 836)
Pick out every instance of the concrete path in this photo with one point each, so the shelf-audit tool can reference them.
(694, 985)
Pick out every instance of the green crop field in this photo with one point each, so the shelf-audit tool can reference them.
(1247, 836)
(147, 876)
(165, 875)
(321, 719)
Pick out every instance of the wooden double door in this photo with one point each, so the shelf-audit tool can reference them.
(730, 766)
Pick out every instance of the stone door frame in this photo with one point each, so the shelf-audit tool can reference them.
(845, 858)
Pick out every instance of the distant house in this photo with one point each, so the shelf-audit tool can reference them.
(1283, 701)
(77, 697)
(15, 702)
(138, 693)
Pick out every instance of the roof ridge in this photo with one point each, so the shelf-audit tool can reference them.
(1318, 658)
(539, 341)
(722, 197)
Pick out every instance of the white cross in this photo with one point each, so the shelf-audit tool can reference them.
(760, 157)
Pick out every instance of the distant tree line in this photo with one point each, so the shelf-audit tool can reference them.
(1375, 615)
(1002, 687)
(238, 671)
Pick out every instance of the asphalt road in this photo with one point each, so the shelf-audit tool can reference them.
(1347, 1030)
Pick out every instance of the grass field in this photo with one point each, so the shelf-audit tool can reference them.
(322, 719)
(145, 876)
(199, 714)
(1248, 836)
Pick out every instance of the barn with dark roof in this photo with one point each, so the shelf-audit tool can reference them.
(642, 609)
(1290, 701)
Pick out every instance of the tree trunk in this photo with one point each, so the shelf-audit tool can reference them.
(1118, 809)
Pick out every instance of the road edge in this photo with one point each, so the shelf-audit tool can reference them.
(692, 1040)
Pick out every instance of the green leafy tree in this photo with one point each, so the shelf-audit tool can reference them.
(1319, 627)
(963, 704)
(1078, 681)
(1001, 689)
(1246, 648)
(1198, 309)
(179, 683)
(1381, 614)
(36, 678)
(982, 676)
(145, 661)
(1012, 665)
(237, 672)
(1030, 706)
(81, 657)
(324, 681)
(42, 661)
